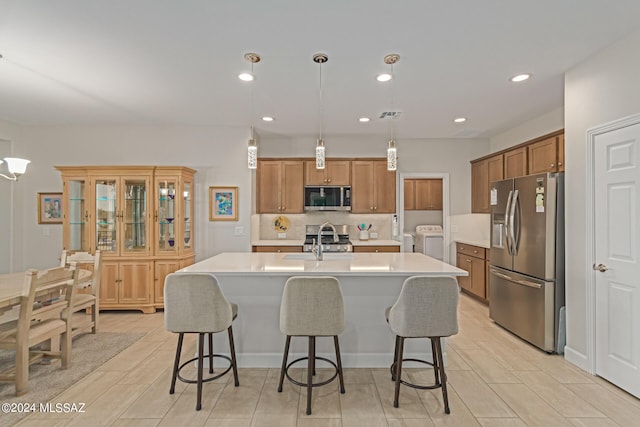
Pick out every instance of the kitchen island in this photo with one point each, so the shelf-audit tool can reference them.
(370, 283)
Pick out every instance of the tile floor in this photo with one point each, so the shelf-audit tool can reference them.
(494, 378)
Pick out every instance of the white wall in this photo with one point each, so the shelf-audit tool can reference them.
(547, 123)
(218, 154)
(9, 134)
(602, 89)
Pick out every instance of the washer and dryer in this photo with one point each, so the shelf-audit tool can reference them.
(429, 240)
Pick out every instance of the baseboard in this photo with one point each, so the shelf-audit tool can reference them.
(577, 358)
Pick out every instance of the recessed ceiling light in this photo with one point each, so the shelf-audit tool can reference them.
(267, 119)
(460, 119)
(520, 78)
(384, 77)
(364, 119)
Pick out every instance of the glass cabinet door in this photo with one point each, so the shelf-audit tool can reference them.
(167, 215)
(77, 215)
(106, 215)
(134, 215)
(188, 217)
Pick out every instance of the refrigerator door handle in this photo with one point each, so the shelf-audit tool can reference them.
(507, 231)
(518, 281)
(515, 221)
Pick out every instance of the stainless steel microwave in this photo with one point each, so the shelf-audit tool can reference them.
(327, 198)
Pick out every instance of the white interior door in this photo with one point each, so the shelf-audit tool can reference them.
(617, 267)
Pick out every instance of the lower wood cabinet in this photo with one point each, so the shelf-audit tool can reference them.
(472, 259)
(127, 285)
(276, 249)
(376, 248)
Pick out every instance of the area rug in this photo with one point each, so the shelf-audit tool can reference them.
(47, 381)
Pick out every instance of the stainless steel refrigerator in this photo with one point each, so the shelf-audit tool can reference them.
(526, 278)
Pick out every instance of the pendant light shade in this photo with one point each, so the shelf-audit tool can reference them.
(320, 58)
(392, 156)
(320, 154)
(252, 154)
(252, 147)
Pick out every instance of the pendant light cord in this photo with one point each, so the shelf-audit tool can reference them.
(393, 117)
(321, 111)
(251, 112)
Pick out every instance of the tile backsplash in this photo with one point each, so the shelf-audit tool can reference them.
(380, 223)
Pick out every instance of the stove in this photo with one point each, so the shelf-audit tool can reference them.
(328, 245)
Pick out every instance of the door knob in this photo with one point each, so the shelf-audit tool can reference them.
(600, 267)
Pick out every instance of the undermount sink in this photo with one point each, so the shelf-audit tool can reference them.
(307, 256)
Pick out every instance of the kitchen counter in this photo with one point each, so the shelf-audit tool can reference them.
(481, 243)
(370, 283)
(278, 242)
(375, 242)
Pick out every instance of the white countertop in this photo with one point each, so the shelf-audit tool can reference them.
(350, 264)
(294, 242)
(375, 242)
(278, 242)
(481, 243)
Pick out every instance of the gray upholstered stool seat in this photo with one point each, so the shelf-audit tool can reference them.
(312, 306)
(194, 303)
(427, 307)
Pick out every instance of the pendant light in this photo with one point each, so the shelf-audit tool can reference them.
(320, 58)
(392, 154)
(252, 148)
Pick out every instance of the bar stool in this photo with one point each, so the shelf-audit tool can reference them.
(312, 307)
(427, 307)
(194, 303)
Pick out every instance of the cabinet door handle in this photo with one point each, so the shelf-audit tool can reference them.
(559, 163)
(475, 251)
(156, 216)
(329, 180)
(552, 165)
(467, 260)
(371, 208)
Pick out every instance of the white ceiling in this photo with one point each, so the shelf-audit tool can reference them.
(166, 62)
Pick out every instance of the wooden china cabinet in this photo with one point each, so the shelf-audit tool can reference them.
(141, 219)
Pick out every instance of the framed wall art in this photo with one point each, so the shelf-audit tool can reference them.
(49, 208)
(223, 203)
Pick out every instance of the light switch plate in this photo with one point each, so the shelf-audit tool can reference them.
(282, 235)
(239, 231)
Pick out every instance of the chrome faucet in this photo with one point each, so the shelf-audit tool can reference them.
(317, 247)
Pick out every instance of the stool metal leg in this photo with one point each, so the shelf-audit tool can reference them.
(339, 362)
(395, 357)
(443, 376)
(232, 350)
(172, 389)
(310, 366)
(284, 362)
(211, 352)
(434, 357)
(200, 363)
(398, 371)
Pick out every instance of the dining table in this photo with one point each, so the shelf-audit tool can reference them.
(11, 288)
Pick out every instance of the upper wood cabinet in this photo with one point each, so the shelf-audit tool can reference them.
(423, 194)
(336, 172)
(483, 172)
(515, 162)
(409, 194)
(544, 156)
(373, 187)
(280, 186)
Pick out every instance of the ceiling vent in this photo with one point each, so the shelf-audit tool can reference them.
(390, 114)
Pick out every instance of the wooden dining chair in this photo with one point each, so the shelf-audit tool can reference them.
(87, 298)
(46, 295)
